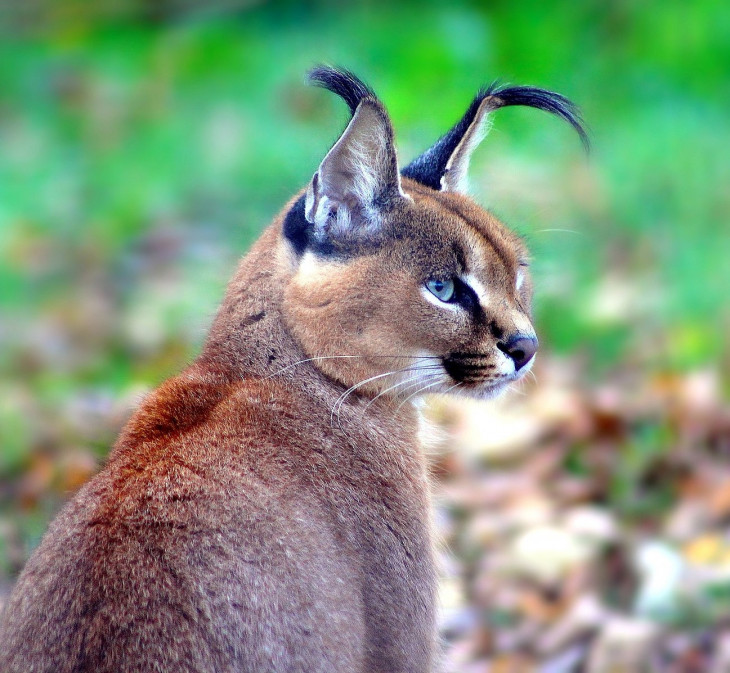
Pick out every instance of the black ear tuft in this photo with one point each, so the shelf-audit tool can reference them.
(541, 99)
(430, 167)
(341, 82)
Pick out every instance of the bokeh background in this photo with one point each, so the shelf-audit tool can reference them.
(144, 144)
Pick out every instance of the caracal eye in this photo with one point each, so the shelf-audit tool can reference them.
(441, 289)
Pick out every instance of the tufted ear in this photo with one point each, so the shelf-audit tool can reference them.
(444, 166)
(359, 176)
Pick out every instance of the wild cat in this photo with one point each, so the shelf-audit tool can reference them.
(268, 508)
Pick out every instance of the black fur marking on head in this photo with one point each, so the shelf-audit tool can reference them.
(300, 232)
(429, 167)
(296, 228)
(467, 298)
(341, 82)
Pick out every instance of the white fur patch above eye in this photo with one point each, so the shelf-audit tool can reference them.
(477, 287)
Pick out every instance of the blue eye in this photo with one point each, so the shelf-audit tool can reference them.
(441, 289)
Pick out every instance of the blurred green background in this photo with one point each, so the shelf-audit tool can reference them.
(145, 145)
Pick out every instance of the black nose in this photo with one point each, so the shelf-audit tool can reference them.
(520, 349)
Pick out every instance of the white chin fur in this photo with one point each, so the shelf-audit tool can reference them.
(478, 392)
(485, 392)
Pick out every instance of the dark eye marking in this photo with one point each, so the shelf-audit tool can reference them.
(467, 298)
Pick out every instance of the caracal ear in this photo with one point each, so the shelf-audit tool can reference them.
(359, 178)
(444, 166)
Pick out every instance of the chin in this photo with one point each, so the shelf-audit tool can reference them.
(482, 392)
(470, 391)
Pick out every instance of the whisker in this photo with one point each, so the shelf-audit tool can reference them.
(450, 388)
(335, 357)
(337, 406)
(563, 231)
(320, 357)
(410, 380)
(419, 391)
(419, 381)
(341, 399)
(422, 357)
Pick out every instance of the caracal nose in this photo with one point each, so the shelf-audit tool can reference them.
(520, 349)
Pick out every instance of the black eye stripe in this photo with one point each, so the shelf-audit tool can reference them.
(467, 298)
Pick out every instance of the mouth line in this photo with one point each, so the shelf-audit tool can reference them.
(469, 368)
(488, 382)
(473, 367)
(468, 359)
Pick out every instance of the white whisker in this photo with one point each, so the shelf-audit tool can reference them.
(341, 399)
(420, 380)
(337, 406)
(563, 231)
(416, 378)
(335, 357)
(419, 391)
(450, 388)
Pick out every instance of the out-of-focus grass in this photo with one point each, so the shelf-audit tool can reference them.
(140, 158)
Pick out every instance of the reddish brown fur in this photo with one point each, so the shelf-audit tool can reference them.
(227, 485)
(251, 516)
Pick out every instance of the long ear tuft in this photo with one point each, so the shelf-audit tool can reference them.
(341, 82)
(443, 166)
(549, 101)
(358, 179)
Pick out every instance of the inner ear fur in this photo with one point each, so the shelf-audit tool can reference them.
(359, 175)
(455, 175)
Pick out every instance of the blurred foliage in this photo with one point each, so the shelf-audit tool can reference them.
(146, 144)
(586, 527)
